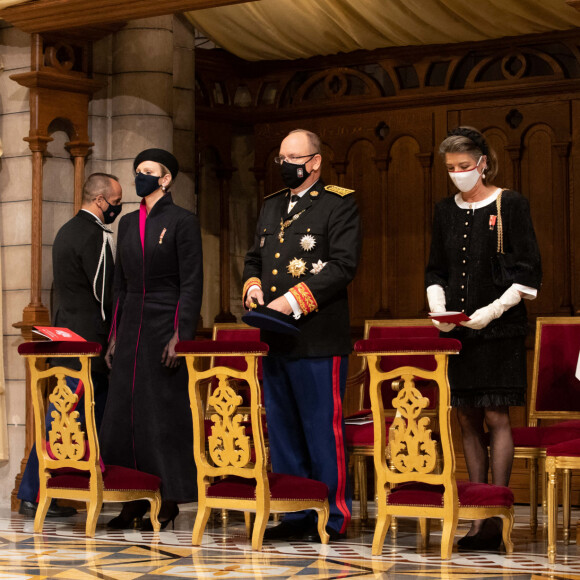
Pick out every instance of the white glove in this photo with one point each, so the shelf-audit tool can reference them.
(436, 299)
(482, 317)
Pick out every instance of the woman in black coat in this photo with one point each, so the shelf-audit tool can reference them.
(489, 375)
(157, 299)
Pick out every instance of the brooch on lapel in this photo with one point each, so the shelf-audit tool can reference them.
(492, 220)
(162, 235)
(317, 266)
(307, 242)
(296, 267)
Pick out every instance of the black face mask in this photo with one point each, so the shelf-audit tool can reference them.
(146, 184)
(111, 213)
(293, 175)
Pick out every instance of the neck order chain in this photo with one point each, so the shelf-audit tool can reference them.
(287, 223)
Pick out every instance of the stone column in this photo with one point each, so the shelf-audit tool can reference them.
(142, 96)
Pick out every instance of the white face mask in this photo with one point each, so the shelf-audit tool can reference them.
(466, 180)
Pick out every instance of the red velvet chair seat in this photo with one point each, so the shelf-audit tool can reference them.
(358, 435)
(115, 478)
(225, 347)
(545, 436)
(470, 494)
(565, 449)
(51, 348)
(282, 487)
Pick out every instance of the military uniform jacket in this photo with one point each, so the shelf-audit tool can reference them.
(314, 255)
(76, 258)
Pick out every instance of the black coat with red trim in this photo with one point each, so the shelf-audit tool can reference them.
(326, 232)
(158, 287)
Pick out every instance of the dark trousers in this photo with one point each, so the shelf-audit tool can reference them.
(30, 483)
(303, 400)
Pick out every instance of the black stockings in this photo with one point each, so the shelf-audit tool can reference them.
(501, 446)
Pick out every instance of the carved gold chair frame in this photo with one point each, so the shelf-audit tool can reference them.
(72, 446)
(229, 449)
(413, 452)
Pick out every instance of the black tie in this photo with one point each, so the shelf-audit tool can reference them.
(294, 198)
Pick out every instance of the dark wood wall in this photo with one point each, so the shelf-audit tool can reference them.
(381, 116)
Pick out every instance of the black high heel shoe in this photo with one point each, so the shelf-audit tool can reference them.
(174, 512)
(130, 517)
(488, 539)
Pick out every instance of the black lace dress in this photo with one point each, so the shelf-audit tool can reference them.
(491, 369)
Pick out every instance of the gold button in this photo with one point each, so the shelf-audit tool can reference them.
(468, 212)
(281, 240)
(463, 274)
(308, 230)
(464, 235)
(277, 255)
(463, 311)
(274, 272)
(466, 223)
(463, 300)
(462, 286)
(463, 248)
(273, 289)
(464, 261)
(264, 229)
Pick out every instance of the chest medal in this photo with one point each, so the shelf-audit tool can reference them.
(307, 242)
(296, 267)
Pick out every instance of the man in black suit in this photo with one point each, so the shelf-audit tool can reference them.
(305, 254)
(83, 265)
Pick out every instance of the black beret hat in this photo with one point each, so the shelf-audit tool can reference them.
(159, 156)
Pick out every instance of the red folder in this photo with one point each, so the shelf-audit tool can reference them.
(450, 317)
(56, 333)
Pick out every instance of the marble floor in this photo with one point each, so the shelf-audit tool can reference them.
(62, 551)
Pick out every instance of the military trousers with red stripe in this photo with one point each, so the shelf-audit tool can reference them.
(303, 399)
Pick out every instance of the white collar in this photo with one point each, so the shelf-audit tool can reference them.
(301, 193)
(461, 203)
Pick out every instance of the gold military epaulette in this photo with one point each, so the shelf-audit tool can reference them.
(276, 193)
(342, 191)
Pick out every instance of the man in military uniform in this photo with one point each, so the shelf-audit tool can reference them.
(304, 256)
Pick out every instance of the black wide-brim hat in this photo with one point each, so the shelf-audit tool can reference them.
(159, 156)
(269, 319)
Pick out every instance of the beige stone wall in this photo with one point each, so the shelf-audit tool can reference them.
(15, 205)
(147, 69)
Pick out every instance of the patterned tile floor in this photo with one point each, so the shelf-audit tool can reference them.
(62, 551)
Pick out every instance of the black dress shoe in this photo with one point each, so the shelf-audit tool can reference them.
(28, 508)
(312, 535)
(285, 531)
(464, 544)
(488, 539)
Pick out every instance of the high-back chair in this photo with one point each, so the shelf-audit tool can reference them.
(555, 397)
(359, 432)
(562, 456)
(236, 332)
(410, 483)
(69, 461)
(228, 477)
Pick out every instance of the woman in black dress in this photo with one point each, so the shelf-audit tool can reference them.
(157, 298)
(489, 375)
